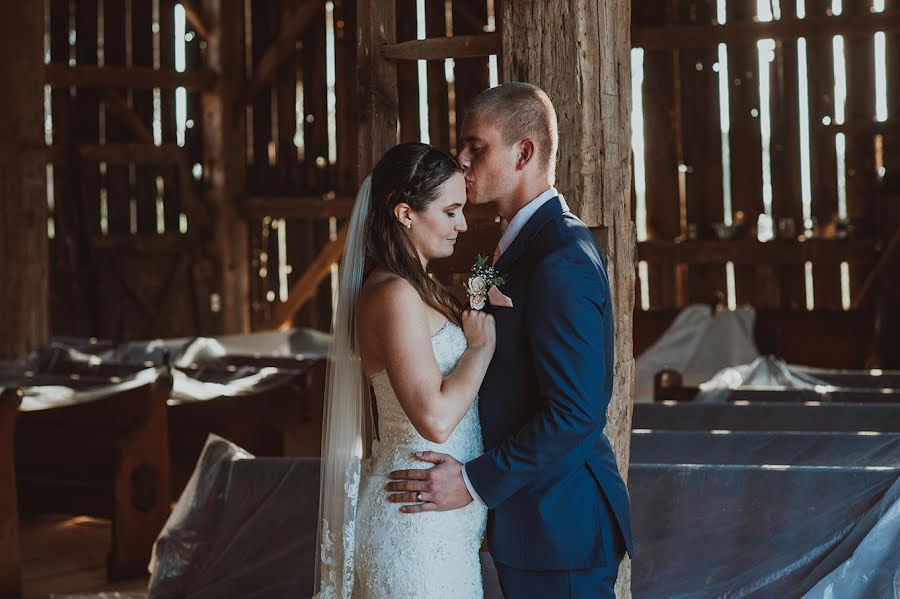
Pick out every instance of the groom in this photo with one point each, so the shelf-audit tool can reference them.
(559, 522)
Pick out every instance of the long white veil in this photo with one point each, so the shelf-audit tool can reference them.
(346, 399)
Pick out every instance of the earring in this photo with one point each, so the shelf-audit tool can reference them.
(409, 225)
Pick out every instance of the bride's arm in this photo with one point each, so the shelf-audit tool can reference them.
(433, 404)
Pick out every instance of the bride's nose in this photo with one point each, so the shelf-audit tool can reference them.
(462, 226)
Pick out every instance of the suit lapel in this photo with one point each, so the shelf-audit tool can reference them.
(553, 208)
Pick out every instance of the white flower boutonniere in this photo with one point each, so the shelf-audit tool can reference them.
(482, 278)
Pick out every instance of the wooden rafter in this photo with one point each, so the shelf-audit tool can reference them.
(308, 284)
(753, 252)
(282, 48)
(62, 75)
(195, 18)
(709, 36)
(438, 48)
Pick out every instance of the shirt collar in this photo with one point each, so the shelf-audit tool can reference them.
(523, 216)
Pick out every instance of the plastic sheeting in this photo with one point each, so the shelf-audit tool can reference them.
(200, 368)
(698, 343)
(246, 528)
(764, 514)
(765, 372)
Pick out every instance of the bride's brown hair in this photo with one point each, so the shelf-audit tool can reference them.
(408, 173)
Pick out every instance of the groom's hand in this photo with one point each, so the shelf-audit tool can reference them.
(436, 489)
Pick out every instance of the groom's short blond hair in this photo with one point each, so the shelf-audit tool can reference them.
(522, 110)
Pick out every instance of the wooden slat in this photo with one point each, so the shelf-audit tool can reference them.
(823, 158)
(62, 75)
(747, 32)
(438, 98)
(751, 252)
(663, 153)
(746, 140)
(407, 74)
(343, 179)
(316, 168)
(700, 102)
(122, 124)
(144, 188)
(470, 74)
(439, 48)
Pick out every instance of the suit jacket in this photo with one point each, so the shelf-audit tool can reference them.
(549, 474)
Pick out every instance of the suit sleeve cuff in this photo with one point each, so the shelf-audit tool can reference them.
(471, 489)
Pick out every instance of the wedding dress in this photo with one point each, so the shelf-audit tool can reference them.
(431, 555)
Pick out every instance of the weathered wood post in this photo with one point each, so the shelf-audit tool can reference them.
(224, 155)
(579, 52)
(24, 247)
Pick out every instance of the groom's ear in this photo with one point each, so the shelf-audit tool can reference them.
(526, 153)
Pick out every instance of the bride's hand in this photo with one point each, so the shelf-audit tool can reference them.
(480, 330)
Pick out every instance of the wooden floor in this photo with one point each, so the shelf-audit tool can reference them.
(65, 557)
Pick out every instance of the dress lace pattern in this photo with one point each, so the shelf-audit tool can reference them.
(428, 555)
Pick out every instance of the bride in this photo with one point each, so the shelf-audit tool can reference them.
(425, 358)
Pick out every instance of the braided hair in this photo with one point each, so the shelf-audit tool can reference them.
(408, 173)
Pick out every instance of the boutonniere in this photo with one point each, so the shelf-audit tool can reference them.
(482, 278)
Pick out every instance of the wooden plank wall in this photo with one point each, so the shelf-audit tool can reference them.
(291, 154)
(683, 154)
(121, 267)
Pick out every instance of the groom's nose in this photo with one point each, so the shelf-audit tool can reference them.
(464, 160)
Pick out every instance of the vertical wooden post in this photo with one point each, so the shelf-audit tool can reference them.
(578, 51)
(24, 248)
(10, 555)
(377, 80)
(224, 155)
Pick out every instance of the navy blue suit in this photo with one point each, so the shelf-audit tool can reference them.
(559, 508)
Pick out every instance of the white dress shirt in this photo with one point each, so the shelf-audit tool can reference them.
(509, 235)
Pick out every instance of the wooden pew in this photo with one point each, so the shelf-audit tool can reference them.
(109, 458)
(10, 556)
(280, 421)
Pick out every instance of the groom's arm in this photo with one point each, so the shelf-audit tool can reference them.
(566, 300)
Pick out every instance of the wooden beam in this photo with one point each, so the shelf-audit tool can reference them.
(307, 285)
(585, 71)
(439, 48)
(62, 75)
(139, 153)
(314, 207)
(224, 154)
(377, 82)
(10, 554)
(748, 32)
(282, 48)
(194, 18)
(753, 252)
(24, 247)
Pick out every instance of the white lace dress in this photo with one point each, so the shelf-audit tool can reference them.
(430, 555)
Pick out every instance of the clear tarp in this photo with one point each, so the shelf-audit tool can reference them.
(699, 342)
(765, 514)
(73, 371)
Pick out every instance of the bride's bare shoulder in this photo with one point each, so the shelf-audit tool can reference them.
(385, 295)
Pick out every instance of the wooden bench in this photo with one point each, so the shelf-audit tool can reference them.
(106, 457)
(10, 555)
